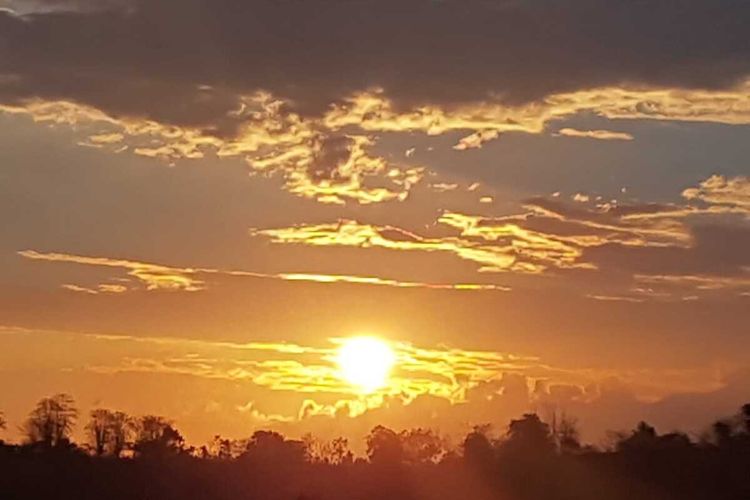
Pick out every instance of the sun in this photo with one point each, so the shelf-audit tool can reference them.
(365, 362)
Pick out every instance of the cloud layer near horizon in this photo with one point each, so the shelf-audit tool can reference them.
(454, 388)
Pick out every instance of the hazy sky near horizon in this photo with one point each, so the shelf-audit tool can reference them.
(542, 205)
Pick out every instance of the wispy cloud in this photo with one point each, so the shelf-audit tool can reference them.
(354, 234)
(718, 190)
(161, 277)
(602, 135)
(335, 278)
(101, 288)
(552, 234)
(476, 140)
(152, 276)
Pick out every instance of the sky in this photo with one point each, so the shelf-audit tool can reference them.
(540, 205)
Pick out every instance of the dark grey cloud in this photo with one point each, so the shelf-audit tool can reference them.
(155, 58)
(717, 250)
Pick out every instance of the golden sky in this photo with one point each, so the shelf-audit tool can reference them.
(548, 216)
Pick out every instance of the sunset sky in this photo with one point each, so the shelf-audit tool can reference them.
(538, 204)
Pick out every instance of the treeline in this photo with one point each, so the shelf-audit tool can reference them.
(125, 457)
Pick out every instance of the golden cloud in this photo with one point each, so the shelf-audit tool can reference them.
(372, 111)
(161, 277)
(327, 158)
(353, 234)
(315, 163)
(718, 190)
(549, 235)
(153, 276)
(457, 377)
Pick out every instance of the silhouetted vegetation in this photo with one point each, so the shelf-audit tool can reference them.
(146, 457)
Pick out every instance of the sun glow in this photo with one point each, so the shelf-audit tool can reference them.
(365, 362)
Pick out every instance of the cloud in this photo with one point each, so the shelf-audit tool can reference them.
(328, 157)
(602, 135)
(718, 190)
(102, 288)
(442, 187)
(354, 234)
(550, 235)
(476, 140)
(450, 388)
(160, 277)
(456, 375)
(616, 298)
(369, 280)
(27, 7)
(442, 372)
(312, 114)
(707, 236)
(251, 409)
(81, 289)
(152, 276)
(739, 283)
(433, 59)
(324, 165)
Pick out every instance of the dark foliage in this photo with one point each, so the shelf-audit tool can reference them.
(146, 458)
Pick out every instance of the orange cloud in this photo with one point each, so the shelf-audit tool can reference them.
(462, 379)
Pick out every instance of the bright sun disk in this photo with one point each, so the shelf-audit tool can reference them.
(365, 362)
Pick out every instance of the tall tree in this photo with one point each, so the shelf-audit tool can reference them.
(567, 435)
(529, 436)
(52, 421)
(109, 431)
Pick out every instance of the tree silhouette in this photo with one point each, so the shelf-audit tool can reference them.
(644, 437)
(567, 435)
(722, 432)
(157, 437)
(109, 432)
(271, 447)
(3, 423)
(51, 421)
(528, 437)
(745, 416)
(421, 446)
(531, 462)
(334, 452)
(384, 446)
(477, 447)
(224, 448)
